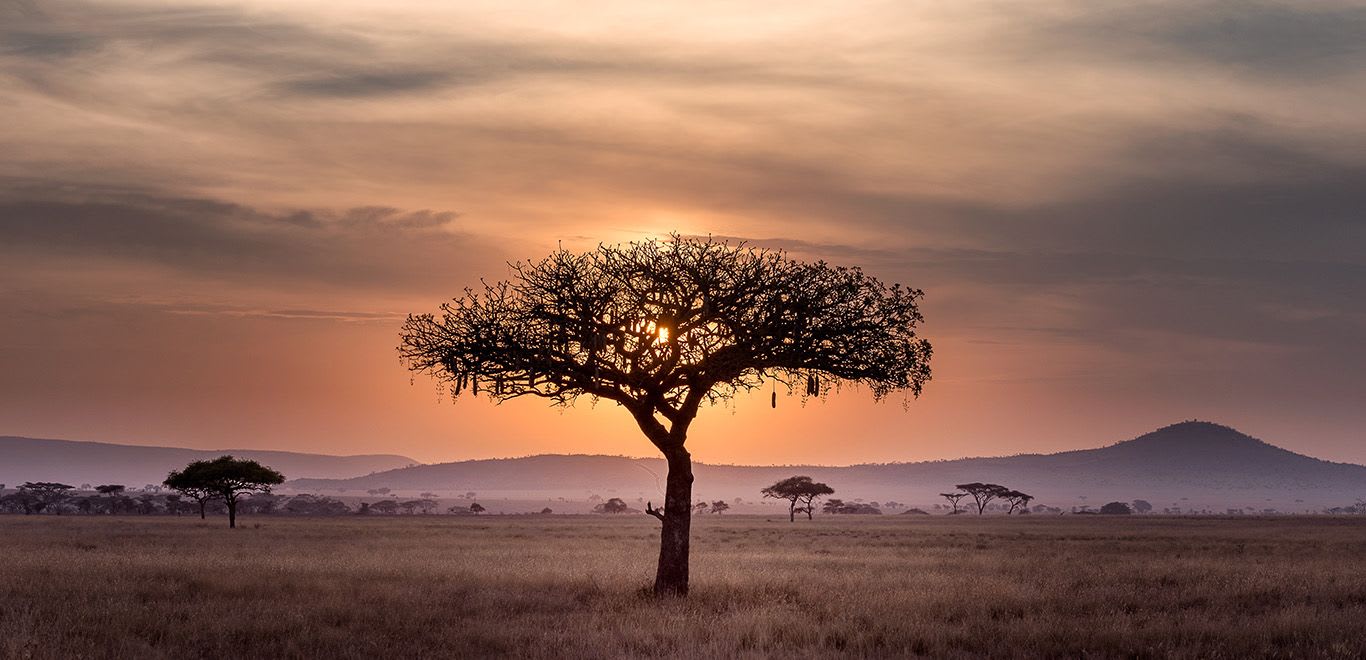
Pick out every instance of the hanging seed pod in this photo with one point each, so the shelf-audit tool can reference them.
(775, 400)
(474, 384)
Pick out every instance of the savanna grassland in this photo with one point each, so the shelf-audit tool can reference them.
(438, 586)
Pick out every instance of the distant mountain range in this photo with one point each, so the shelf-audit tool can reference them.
(1188, 465)
(75, 463)
(1191, 465)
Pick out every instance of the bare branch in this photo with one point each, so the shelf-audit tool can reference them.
(649, 508)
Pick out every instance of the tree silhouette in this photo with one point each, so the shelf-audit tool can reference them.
(662, 327)
(719, 506)
(953, 499)
(1017, 500)
(46, 494)
(112, 490)
(1116, 508)
(983, 494)
(1142, 506)
(224, 478)
(476, 508)
(613, 505)
(798, 489)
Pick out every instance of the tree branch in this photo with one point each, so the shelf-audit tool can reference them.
(649, 508)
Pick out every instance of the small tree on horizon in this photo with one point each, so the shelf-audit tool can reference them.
(225, 478)
(111, 491)
(46, 494)
(1116, 508)
(477, 508)
(982, 493)
(798, 489)
(1017, 500)
(612, 505)
(661, 328)
(953, 499)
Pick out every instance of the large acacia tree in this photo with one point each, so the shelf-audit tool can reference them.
(663, 327)
(225, 478)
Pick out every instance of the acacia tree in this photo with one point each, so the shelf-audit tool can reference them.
(983, 494)
(1017, 500)
(224, 478)
(798, 489)
(953, 499)
(47, 494)
(662, 327)
(113, 491)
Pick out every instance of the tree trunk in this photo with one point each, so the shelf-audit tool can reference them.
(202, 516)
(792, 511)
(672, 577)
(232, 514)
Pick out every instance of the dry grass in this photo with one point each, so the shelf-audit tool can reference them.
(420, 586)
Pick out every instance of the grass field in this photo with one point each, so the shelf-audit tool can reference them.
(436, 586)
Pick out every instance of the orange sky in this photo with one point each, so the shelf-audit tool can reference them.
(214, 216)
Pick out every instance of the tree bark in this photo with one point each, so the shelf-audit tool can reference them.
(792, 511)
(232, 514)
(672, 577)
(202, 516)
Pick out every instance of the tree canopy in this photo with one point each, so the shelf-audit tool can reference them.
(224, 478)
(661, 327)
(798, 489)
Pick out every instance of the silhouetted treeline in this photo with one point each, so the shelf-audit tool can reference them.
(53, 498)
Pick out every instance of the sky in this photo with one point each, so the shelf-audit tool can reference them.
(214, 217)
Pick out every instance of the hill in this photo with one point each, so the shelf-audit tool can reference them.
(1190, 465)
(73, 462)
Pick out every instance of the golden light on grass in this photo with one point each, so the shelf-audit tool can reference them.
(571, 587)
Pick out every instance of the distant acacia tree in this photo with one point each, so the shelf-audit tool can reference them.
(953, 499)
(47, 494)
(476, 508)
(547, 511)
(112, 491)
(983, 494)
(1017, 500)
(662, 327)
(612, 505)
(1116, 508)
(719, 506)
(1142, 506)
(700, 507)
(857, 508)
(199, 493)
(798, 489)
(21, 500)
(225, 478)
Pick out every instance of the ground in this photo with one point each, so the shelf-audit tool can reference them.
(575, 586)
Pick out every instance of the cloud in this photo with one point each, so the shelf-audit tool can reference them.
(1125, 191)
(1256, 38)
(375, 248)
